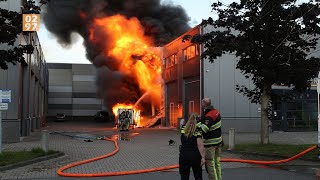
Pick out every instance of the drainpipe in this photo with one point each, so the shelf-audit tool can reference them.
(201, 72)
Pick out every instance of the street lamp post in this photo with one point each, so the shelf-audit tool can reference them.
(318, 93)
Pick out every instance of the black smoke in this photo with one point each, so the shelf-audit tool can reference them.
(162, 22)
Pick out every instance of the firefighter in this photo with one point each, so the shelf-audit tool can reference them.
(192, 153)
(211, 130)
(124, 124)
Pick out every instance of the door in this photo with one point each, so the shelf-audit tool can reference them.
(191, 98)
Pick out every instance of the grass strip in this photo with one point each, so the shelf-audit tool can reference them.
(7, 158)
(286, 150)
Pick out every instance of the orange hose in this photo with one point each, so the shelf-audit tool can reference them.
(61, 173)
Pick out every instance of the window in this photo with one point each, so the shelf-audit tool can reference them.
(171, 61)
(190, 52)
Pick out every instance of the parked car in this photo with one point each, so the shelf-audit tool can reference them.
(60, 117)
(102, 116)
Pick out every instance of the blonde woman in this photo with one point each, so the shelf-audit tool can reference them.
(192, 150)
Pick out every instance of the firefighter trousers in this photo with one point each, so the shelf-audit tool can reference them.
(189, 160)
(213, 165)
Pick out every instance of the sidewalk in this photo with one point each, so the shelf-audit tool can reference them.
(147, 149)
(277, 137)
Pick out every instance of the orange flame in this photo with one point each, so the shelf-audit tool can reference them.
(83, 15)
(132, 50)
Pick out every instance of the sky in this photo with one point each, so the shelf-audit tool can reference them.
(54, 52)
(75, 53)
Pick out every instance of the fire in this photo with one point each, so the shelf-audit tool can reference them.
(133, 52)
(83, 15)
(136, 115)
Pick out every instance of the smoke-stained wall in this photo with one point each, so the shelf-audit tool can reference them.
(182, 80)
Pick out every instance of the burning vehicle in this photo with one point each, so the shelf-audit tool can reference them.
(126, 117)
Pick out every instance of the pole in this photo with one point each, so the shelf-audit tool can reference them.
(231, 139)
(44, 140)
(318, 121)
(0, 132)
(318, 93)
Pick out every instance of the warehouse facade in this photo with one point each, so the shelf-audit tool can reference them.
(188, 79)
(28, 82)
(72, 91)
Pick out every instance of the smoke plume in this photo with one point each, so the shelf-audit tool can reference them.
(161, 22)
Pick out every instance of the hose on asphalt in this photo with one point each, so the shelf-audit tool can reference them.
(61, 173)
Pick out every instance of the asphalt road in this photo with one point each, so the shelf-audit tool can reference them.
(228, 174)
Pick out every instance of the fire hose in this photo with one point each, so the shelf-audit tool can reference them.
(61, 173)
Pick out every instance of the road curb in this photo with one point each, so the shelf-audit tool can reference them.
(31, 161)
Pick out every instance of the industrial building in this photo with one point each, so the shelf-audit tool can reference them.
(298, 114)
(188, 80)
(28, 82)
(72, 91)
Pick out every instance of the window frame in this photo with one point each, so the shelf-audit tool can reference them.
(171, 60)
(190, 52)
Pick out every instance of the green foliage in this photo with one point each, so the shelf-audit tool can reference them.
(10, 28)
(14, 55)
(273, 39)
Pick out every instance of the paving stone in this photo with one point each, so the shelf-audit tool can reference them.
(148, 149)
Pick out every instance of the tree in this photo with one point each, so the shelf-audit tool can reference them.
(10, 28)
(273, 40)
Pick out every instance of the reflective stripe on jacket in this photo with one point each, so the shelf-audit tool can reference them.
(189, 143)
(196, 132)
(211, 128)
